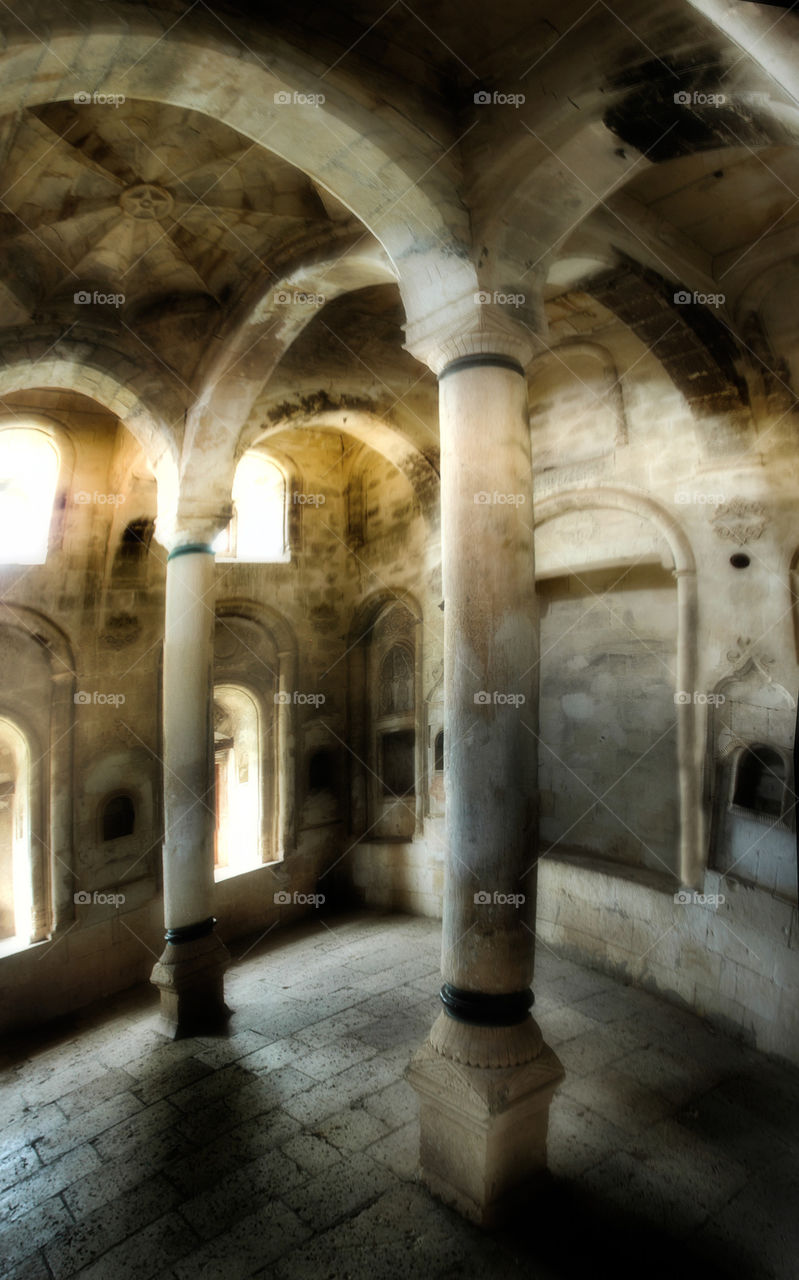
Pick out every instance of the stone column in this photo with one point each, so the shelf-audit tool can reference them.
(485, 1078)
(61, 913)
(691, 735)
(191, 968)
(286, 789)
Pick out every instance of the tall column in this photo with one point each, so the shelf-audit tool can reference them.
(60, 913)
(485, 1078)
(286, 754)
(190, 972)
(691, 735)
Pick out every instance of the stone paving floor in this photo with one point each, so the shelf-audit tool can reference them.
(288, 1148)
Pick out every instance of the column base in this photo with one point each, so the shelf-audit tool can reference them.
(483, 1146)
(190, 977)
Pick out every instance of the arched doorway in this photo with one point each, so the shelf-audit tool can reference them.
(16, 877)
(237, 780)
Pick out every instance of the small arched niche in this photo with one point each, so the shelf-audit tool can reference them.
(760, 782)
(117, 817)
(130, 560)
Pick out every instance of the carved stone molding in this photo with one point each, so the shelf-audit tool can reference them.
(474, 326)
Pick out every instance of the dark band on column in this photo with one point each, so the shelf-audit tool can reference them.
(190, 932)
(192, 548)
(483, 360)
(484, 1010)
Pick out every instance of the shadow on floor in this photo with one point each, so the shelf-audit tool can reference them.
(574, 1234)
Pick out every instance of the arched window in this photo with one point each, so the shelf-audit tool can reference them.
(29, 464)
(257, 532)
(438, 752)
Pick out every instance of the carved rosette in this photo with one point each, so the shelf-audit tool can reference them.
(740, 521)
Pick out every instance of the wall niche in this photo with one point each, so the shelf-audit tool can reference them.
(751, 727)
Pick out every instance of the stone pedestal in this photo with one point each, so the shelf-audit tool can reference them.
(190, 976)
(483, 1146)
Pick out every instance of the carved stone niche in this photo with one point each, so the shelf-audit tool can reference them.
(751, 726)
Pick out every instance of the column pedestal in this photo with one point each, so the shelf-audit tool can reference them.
(483, 1147)
(190, 977)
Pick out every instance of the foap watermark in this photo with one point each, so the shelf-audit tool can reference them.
(683, 298)
(83, 298)
(284, 699)
(698, 699)
(285, 899)
(698, 98)
(84, 699)
(102, 499)
(85, 899)
(485, 499)
(85, 99)
(485, 699)
(690, 898)
(288, 98)
(498, 99)
(290, 297)
(308, 499)
(485, 899)
(688, 497)
(484, 298)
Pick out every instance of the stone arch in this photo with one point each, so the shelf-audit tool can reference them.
(108, 378)
(156, 433)
(689, 715)
(374, 432)
(220, 424)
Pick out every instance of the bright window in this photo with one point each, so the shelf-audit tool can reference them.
(257, 532)
(28, 476)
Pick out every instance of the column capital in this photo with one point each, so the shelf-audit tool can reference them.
(482, 323)
(195, 532)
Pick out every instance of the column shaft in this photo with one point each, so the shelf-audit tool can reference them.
(188, 752)
(190, 970)
(490, 677)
